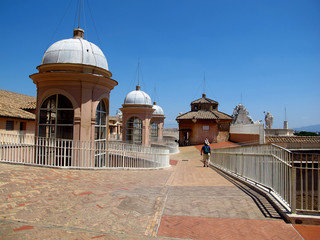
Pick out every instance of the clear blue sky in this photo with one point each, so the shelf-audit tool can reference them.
(266, 51)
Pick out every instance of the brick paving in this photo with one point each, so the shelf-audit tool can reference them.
(185, 201)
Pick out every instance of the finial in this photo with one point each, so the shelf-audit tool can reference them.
(78, 33)
(154, 103)
(138, 87)
(204, 95)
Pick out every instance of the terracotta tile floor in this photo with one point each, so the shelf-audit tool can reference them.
(185, 201)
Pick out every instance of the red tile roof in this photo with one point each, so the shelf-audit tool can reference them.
(14, 105)
(202, 114)
(293, 139)
(204, 100)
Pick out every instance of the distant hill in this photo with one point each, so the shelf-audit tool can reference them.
(312, 128)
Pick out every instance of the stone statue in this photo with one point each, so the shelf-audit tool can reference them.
(241, 116)
(269, 120)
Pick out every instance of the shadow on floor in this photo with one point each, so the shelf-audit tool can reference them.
(262, 203)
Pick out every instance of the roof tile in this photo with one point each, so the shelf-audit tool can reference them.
(14, 105)
(293, 139)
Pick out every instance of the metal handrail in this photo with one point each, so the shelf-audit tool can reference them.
(274, 168)
(64, 153)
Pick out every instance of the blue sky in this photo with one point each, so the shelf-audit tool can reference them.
(268, 52)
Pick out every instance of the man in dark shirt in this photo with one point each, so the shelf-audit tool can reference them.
(206, 151)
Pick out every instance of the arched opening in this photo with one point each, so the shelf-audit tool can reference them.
(134, 130)
(56, 118)
(56, 125)
(154, 131)
(100, 134)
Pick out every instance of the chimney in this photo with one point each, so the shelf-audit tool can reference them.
(78, 33)
(285, 125)
(203, 95)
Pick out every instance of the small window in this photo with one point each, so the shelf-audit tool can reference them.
(9, 125)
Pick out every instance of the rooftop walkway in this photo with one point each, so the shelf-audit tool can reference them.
(186, 201)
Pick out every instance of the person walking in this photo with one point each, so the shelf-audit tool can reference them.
(205, 152)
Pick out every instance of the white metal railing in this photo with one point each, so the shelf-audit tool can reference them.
(173, 147)
(272, 168)
(79, 154)
(308, 182)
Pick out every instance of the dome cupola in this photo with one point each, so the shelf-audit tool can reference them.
(157, 109)
(137, 97)
(75, 50)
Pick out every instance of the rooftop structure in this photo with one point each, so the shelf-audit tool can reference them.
(203, 121)
(73, 88)
(142, 121)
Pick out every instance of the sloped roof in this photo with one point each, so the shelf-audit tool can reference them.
(201, 114)
(293, 139)
(14, 105)
(204, 100)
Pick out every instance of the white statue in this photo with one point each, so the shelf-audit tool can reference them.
(241, 116)
(269, 120)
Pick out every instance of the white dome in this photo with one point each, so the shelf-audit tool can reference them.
(137, 97)
(157, 110)
(75, 50)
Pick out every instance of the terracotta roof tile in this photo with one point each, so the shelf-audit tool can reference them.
(204, 100)
(201, 114)
(17, 99)
(293, 139)
(14, 105)
(11, 111)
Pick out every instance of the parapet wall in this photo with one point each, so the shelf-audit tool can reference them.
(249, 133)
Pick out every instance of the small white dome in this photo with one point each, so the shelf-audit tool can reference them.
(157, 110)
(75, 50)
(137, 97)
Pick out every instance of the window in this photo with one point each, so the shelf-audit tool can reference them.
(56, 118)
(134, 130)
(154, 131)
(9, 125)
(100, 135)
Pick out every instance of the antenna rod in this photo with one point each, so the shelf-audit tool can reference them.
(79, 13)
(204, 82)
(138, 71)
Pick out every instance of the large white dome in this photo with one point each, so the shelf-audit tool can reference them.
(157, 109)
(75, 50)
(137, 97)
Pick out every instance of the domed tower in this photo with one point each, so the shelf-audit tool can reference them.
(73, 89)
(136, 115)
(157, 121)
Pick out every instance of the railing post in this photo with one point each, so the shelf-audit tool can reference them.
(293, 190)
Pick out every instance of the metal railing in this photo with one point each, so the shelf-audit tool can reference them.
(79, 154)
(307, 181)
(272, 167)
